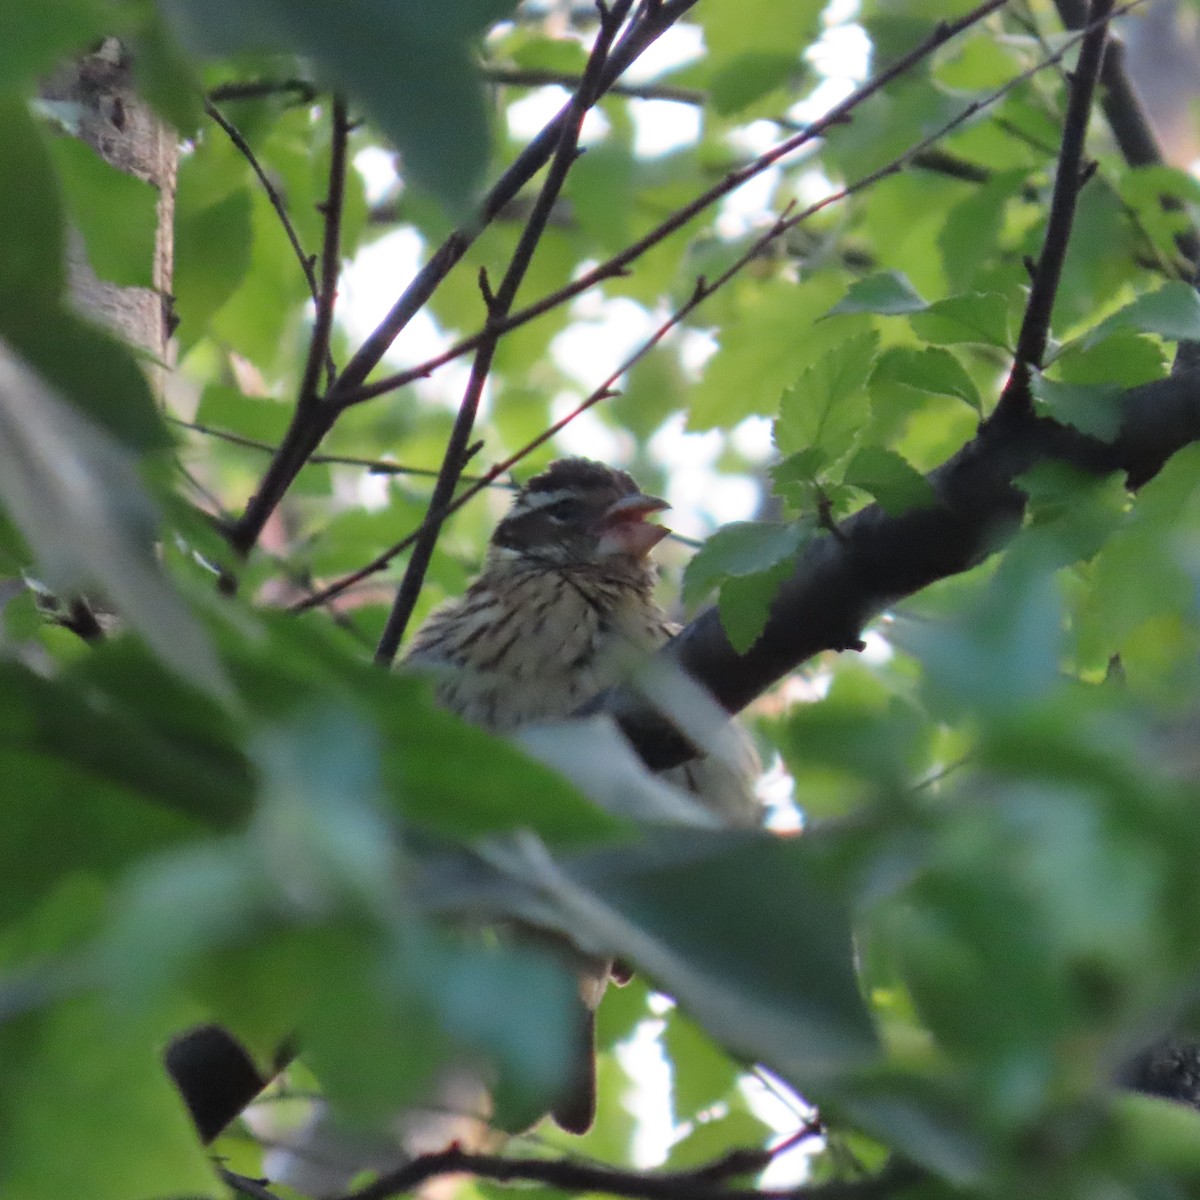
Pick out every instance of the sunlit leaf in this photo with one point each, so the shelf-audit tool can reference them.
(825, 407)
(971, 317)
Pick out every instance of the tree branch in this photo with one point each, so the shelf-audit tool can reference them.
(839, 584)
(1017, 400)
(639, 1185)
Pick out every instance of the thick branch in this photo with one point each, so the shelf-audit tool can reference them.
(839, 584)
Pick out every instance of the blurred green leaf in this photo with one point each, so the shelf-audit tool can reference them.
(204, 279)
(701, 1074)
(116, 213)
(76, 1068)
(76, 496)
(760, 353)
(425, 95)
(748, 77)
(39, 37)
(705, 919)
(32, 266)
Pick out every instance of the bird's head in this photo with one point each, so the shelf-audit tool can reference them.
(579, 513)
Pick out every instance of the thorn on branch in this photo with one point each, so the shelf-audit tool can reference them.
(700, 290)
(1030, 266)
(1087, 171)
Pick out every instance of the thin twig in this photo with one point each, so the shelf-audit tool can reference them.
(256, 89)
(373, 466)
(499, 305)
(309, 422)
(638, 91)
(331, 257)
(234, 134)
(1016, 400)
(638, 1185)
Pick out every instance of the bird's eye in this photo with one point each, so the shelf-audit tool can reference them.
(563, 511)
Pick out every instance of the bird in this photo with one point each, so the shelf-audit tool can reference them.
(565, 595)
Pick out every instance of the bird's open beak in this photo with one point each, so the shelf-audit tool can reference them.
(625, 530)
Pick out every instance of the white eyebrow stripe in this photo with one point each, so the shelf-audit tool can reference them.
(534, 500)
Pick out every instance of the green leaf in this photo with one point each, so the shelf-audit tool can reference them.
(1124, 358)
(769, 338)
(229, 410)
(98, 373)
(39, 37)
(888, 293)
(116, 213)
(927, 370)
(166, 77)
(733, 28)
(745, 604)
(701, 1073)
(891, 479)
(32, 265)
(980, 317)
(77, 1067)
(425, 94)
(1092, 409)
(1172, 312)
(748, 77)
(738, 549)
(94, 524)
(705, 919)
(212, 256)
(62, 818)
(973, 226)
(1003, 651)
(827, 405)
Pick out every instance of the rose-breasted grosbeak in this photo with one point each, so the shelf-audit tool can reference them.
(564, 595)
